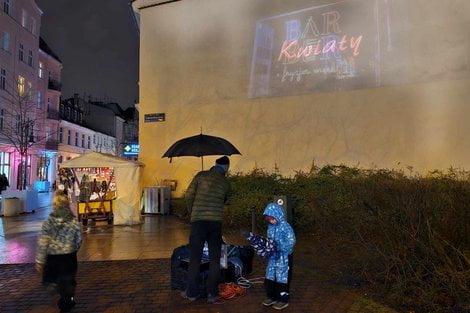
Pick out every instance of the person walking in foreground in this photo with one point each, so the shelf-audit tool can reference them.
(56, 259)
(205, 198)
(279, 268)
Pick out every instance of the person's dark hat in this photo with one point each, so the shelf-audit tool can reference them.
(223, 160)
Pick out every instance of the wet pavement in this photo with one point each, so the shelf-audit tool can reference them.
(155, 238)
(127, 269)
(144, 286)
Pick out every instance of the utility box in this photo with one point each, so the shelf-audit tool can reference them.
(157, 200)
(11, 207)
(286, 205)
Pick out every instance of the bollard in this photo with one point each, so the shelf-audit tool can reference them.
(253, 220)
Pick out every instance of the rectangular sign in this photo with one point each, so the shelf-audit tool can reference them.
(154, 117)
(319, 49)
(131, 149)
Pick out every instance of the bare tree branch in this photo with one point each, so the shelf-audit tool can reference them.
(20, 119)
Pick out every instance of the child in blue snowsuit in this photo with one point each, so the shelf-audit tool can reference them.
(279, 268)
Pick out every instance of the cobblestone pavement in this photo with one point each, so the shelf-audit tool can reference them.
(126, 269)
(130, 286)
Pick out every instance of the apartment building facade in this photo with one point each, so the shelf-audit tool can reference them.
(26, 97)
(75, 136)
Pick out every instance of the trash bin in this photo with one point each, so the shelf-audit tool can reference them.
(11, 206)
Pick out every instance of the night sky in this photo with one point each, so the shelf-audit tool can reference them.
(98, 43)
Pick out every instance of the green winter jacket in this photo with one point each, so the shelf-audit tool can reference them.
(206, 195)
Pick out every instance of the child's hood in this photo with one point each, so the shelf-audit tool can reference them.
(276, 211)
(62, 215)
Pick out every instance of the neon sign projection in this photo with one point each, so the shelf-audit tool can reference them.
(324, 48)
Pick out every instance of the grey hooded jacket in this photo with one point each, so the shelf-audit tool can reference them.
(61, 233)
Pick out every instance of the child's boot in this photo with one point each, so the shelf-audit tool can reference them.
(268, 302)
(280, 305)
(66, 304)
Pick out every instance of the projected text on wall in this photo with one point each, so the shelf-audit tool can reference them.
(324, 48)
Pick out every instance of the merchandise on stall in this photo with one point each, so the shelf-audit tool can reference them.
(111, 188)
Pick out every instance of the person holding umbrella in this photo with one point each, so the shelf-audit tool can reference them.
(205, 199)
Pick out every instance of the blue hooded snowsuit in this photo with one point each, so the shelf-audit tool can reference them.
(284, 237)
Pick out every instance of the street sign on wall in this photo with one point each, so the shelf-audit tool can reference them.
(154, 117)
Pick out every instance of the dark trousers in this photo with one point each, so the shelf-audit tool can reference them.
(61, 269)
(279, 291)
(202, 231)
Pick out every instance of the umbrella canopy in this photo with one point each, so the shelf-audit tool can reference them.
(199, 146)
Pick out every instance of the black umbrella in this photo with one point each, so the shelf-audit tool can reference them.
(199, 146)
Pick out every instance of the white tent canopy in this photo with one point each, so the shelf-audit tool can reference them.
(128, 183)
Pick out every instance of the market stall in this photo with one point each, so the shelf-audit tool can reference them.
(116, 184)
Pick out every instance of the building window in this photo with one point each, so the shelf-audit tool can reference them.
(69, 137)
(83, 140)
(30, 58)
(20, 85)
(27, 176)
(61, 134)
(42, 168)
(6, 6)
(33, 25)
(89, 142)
(6, 41)
(30, 91)
(5, 164)
(41, 70)
(17, 124)
(2, 118)
(3, 79)
(31, 129)
(39, 100)
(94, 139)
(76, 139)
(24, 18)
(48, 133)
(21, 52)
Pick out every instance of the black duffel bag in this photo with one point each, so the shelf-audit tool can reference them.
(242, 265)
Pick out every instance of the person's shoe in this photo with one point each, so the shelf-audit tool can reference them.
(214, 299)
(280, 305)
(268, 302)
(52, 288)
(185, 295)
(67, 306)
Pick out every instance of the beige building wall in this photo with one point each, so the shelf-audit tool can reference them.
(195, 62)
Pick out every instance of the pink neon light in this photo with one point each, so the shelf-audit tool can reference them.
(291, 50)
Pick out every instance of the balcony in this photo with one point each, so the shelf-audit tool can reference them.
(53, 115)
(54, 85)
(52, 145)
